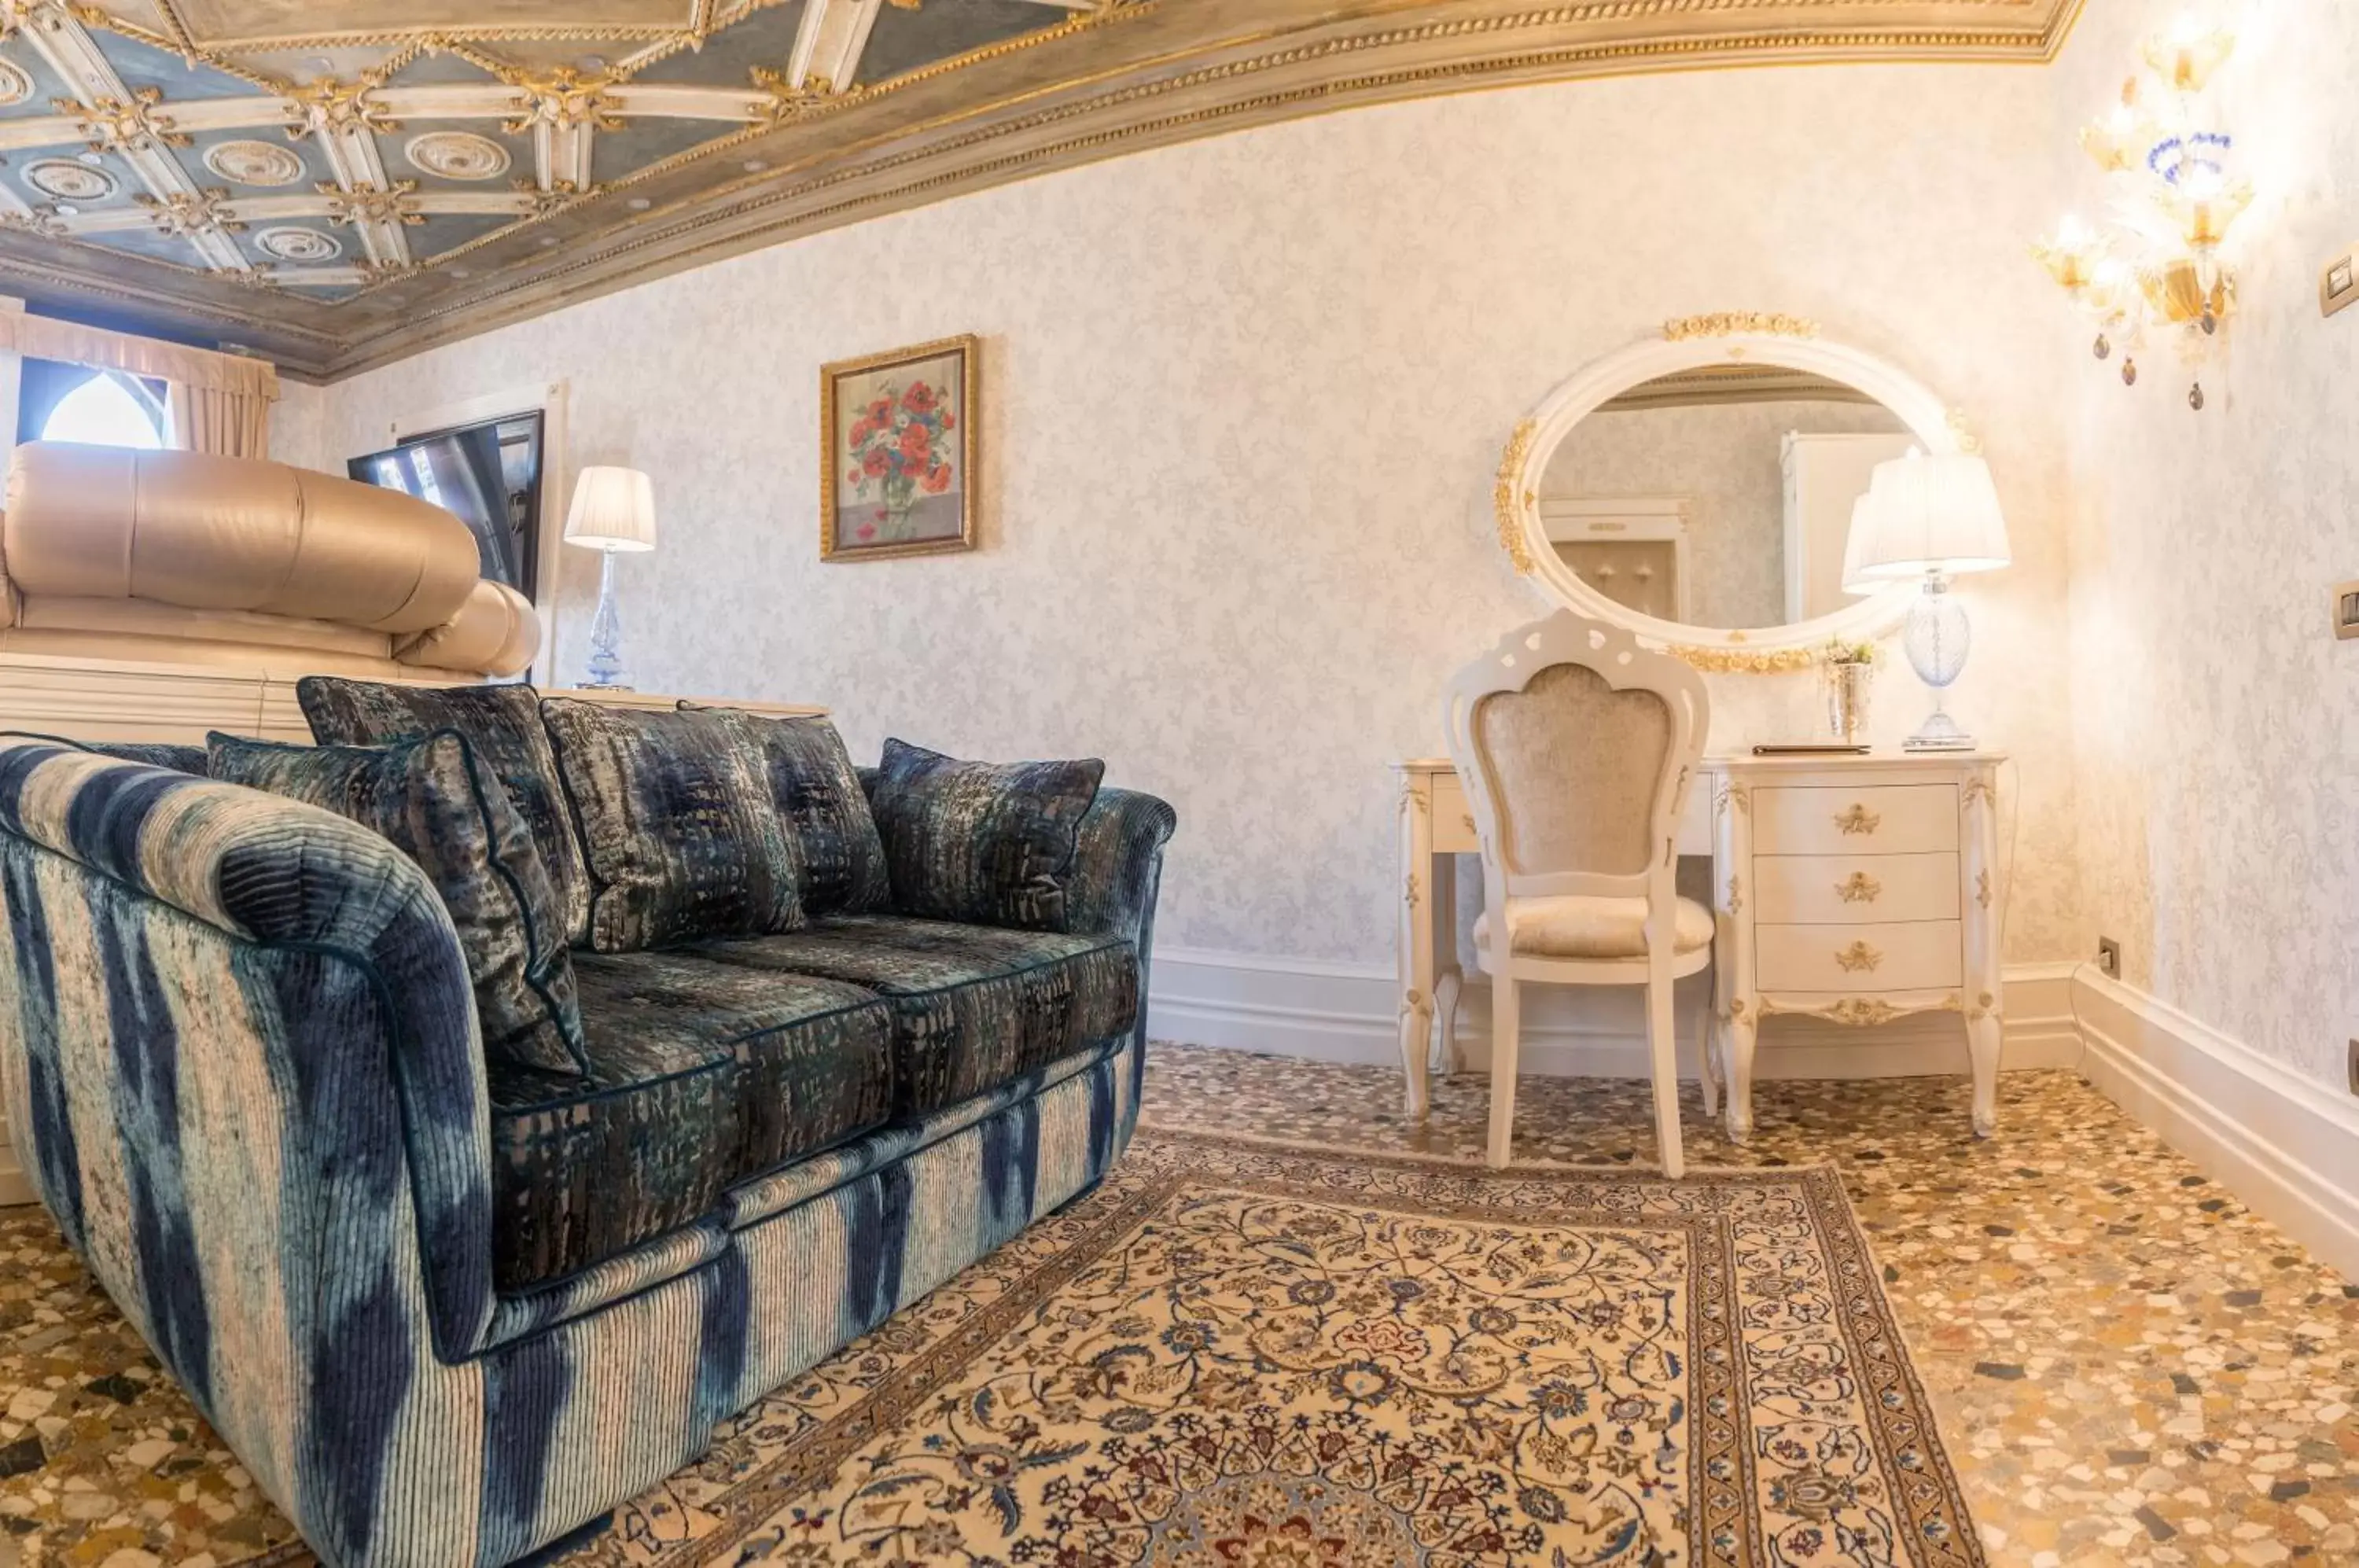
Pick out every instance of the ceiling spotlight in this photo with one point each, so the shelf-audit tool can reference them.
(67, 210)
(593, 64)
(321, 62)
(638, 203)
(547, 240)
(753, 165)
(458, 272)
(91, 157)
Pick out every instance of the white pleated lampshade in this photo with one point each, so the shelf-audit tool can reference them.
(614, 508)
(1855, 546)
(1931, 513)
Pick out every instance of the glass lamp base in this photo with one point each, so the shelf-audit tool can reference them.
(605, 672)
(1937, 636)
(1939, 733)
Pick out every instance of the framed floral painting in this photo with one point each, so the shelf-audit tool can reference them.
(896, 451)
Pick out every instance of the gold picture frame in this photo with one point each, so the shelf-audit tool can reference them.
(896, 454)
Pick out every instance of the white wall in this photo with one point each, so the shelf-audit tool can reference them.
(2215, 713)
(1244, 397)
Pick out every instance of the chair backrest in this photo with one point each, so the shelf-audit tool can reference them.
(1576, 746)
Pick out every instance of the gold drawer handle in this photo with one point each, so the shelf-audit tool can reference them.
(1861, 890)
(1858, 820)
(1858, 955)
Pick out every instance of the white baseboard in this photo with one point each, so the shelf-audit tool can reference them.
(1350, 1012)
(2287, 1147)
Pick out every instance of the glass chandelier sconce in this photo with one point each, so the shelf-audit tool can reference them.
(2157, 266)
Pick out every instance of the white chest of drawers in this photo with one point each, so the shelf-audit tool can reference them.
(1857, 889)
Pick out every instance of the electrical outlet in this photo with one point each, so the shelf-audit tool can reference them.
(2109, 957)
(2338, 283)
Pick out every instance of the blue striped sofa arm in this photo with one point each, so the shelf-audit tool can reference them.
(239, 1054)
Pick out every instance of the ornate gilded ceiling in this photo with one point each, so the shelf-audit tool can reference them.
(334, 183)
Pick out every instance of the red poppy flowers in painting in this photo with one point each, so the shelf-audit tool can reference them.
(901, 446)
(897, 451)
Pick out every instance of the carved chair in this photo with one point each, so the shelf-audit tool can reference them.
(1576, 747)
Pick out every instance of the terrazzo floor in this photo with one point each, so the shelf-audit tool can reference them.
(2129, 1368)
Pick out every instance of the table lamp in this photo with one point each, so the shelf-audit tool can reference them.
(613, 511)
(1855, 541)
(1931, 517)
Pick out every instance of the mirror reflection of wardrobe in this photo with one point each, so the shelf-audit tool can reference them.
(1719, 496)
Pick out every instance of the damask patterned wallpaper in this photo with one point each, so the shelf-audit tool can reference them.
(2214, 710)
(1242, 403)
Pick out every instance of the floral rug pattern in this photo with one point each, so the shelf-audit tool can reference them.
(1234, 1357)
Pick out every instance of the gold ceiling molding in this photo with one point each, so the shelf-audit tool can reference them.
(1072, 151)
(1126, 75)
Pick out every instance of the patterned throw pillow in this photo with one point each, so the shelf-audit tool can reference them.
(678, 828)
(987, 842)
(501, 723)
(817, 791)
(437, 802)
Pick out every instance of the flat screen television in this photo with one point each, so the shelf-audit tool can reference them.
(489, 474)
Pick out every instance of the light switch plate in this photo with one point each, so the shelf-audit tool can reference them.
(2347, 609)
(2338, 285)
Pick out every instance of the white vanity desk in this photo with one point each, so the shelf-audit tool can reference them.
(1857, 889)
(1699, 489)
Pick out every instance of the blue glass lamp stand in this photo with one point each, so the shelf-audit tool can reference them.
(1938, 636)
(606, 672)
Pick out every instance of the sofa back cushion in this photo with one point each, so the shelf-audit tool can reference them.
(678, 828)
(988, 843)
(439, 803)
(818, 794)
(503, 726)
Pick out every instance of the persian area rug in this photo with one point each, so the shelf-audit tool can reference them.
(1234, 1356)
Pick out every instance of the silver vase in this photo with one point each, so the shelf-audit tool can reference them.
(1847, 688)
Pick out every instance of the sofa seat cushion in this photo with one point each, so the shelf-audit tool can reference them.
(973, 1005)
(701, 1073)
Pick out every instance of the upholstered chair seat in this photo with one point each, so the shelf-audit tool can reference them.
(1584, 925)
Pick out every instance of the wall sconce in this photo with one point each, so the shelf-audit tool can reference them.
(2173, 201)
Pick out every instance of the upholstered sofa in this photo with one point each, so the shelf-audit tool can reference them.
(188, 558)
(447, 1314)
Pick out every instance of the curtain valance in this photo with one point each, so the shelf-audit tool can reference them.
(45, 337)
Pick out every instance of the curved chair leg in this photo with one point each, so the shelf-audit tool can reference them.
(1663, 1045)
(1446, 1054)
(1505, 1029)
(1708, 1077)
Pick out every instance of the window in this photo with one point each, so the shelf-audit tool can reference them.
(101, 411)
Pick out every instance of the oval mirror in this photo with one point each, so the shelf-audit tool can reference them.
(1698, 490)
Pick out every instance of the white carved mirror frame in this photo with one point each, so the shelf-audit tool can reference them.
(1690, 344)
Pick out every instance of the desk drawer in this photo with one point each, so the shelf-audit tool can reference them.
(1916, 955)
(1453, 818)
(1891, 818)
(1853, 889)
